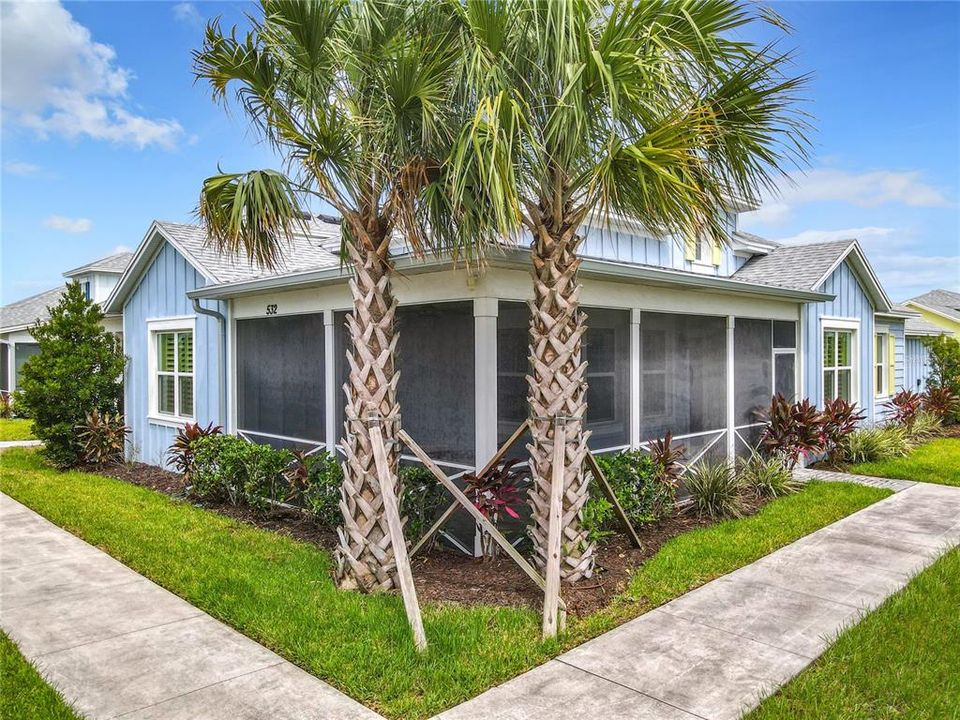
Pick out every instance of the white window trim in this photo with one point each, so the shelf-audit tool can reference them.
(851, 325)
(882, 362)
(172, 324)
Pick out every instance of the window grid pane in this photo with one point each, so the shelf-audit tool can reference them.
(165, 394)
(186, 395)
(166, 352)
(185, 352)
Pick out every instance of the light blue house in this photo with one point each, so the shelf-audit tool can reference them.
(689, 338)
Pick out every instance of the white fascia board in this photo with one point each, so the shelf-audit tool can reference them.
(940, 313)
(864, 270)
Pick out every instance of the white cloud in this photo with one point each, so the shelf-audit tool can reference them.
(122, 249)
(58, 81)
(187, 12)
(70, 225)
(865, 190)
(24, 169)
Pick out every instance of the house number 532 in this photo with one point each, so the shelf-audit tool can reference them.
(271, 309)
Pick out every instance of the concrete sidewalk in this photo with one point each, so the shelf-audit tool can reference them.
(718, 650)
(115, 644)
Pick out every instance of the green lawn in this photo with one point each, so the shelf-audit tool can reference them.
(24, 695)
(279, 591)
(902, 661)
(937, 461)
(15, 429)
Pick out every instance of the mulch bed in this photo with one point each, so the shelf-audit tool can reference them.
(445, 575)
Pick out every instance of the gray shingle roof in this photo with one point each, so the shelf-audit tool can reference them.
(115, 263)
(943, 301)
(29, 310)
(919, 326)
(799, 267)
(316, 250)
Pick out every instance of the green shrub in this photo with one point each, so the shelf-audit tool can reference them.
(313, 482)
(422, 497)
(228, 468)
(597, 516)
(877, 443)
(714, 489)
(945, 367)
(78, 369)
(924, 426)
(766, 476)
(644, 496)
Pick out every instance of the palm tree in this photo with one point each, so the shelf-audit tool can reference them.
(583, 108)
(354, 95)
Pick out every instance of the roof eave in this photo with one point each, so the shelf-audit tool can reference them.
(882, 302)
(518, 258)
(939, 313)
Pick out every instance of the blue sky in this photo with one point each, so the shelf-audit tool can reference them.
(105, 130)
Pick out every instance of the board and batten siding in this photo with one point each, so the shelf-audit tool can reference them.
(916, 364)
(850, 302)
(881, 410)
(628, 247)
(162, 293)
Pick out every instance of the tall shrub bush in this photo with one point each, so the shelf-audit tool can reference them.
(78, 370)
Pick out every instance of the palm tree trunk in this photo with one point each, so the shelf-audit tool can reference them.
(558, 389)
(365, 557)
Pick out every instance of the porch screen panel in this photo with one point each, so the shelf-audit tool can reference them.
(22, 353)
(280, 386)
(753, 368)
(786, 375)
(4, 367)
(606, 349)
(513, 324)
(682, 371)
(435, 357)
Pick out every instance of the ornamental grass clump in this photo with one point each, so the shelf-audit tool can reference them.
(924, 426)
(767, 477)
(715, 491)
(877, 443)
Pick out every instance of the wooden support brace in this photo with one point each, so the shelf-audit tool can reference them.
(551, 593)
(464, 502)
(399, 543)
(608, 492)
(448, 513)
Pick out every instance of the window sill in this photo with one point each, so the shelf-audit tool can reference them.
(703, 268)
(170, 422)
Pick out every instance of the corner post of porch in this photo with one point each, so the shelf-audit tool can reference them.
(329, 383)
(635, 378)
(731, 388)
(485, 312)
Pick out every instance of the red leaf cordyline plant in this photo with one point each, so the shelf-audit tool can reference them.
(666, 459)
(496, 491)
(838, 419)
(181, 452)
(793, 430)
(904, 406)
(941, 401)
(103, 437)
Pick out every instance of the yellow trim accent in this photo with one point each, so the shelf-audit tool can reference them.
(717, 253)
(690, 248)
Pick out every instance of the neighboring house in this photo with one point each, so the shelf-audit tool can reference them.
(97, 279)
(940, 308)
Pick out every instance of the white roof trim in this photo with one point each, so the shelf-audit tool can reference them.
(141, 261)
(874, 288)
(939, 313)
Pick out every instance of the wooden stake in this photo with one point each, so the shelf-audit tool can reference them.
(464, 502)
(399, 543)
(594, 468)
(551, 593)
(448, 513)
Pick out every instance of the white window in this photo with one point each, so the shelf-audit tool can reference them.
(839, 365)
(881, 360)
(172, 394)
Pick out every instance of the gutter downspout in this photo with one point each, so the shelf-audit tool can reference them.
(221, 358)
